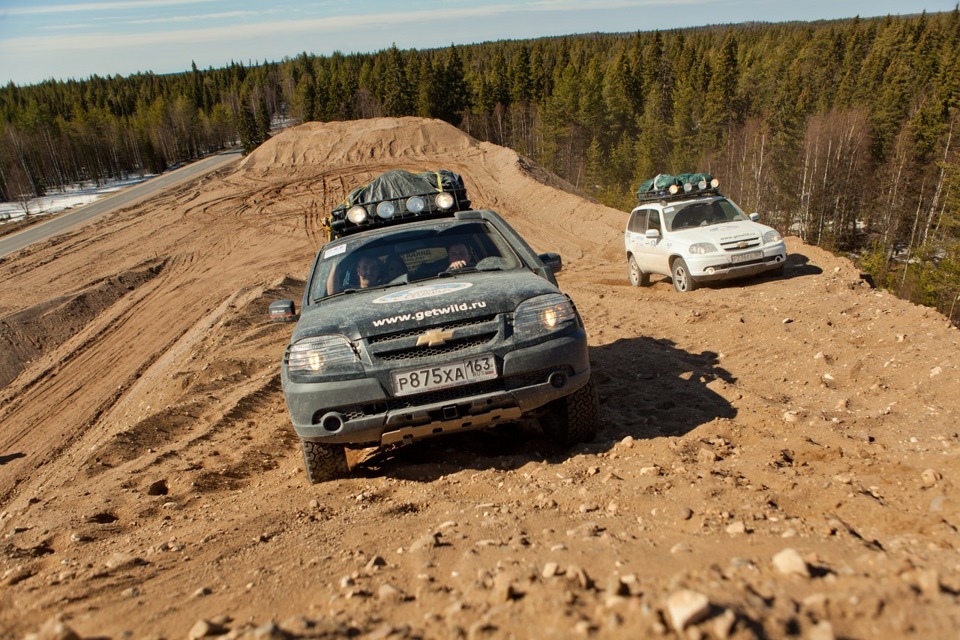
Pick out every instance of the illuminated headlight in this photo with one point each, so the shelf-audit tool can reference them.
(714, 183)
(416, 204)
(772, 236)
(320, 354)
(702, 185)
(444, 201)
(700, 248)
(543, 314)
(687, 187)
(674, 189)
(356, 214)
(386, 210)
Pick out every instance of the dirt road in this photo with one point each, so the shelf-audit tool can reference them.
(778, 457)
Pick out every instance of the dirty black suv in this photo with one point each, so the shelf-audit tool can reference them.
(423, 317)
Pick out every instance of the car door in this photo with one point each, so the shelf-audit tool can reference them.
(633, 235)
(658, 253)
(649, 251)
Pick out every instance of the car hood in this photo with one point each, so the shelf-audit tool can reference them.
(373, 312)
(722, 233)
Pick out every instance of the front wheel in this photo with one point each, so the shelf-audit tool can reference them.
(637, 277)
(683, 282)
(575, 418)
(324, 462)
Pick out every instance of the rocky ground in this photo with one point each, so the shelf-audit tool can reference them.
(777, 457)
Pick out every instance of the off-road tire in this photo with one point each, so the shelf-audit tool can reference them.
(683, 282)
(575, 418)
(324, 462)
(637, 277)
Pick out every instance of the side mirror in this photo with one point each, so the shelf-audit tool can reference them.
(652, 233)
(755, 216)
(552, 261)
(283, 311)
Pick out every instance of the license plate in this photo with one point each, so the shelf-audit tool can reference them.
(746, 257)
(450, 374)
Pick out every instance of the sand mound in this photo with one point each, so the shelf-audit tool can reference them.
(342, 155)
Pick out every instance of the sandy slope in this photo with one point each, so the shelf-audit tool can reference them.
(150, 485)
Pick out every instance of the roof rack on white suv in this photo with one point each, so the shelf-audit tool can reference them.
(667, 187)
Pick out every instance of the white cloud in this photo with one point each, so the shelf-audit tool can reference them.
(259, 31)
(99, 6)
(195, 18)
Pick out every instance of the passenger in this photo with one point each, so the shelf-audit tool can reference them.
(396, 267)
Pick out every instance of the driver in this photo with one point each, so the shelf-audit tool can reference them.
(460, 256)
(369, 272)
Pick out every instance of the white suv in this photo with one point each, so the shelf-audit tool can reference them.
(694, 235)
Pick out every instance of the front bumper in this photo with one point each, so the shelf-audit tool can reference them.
(714, 266)
(363, 412)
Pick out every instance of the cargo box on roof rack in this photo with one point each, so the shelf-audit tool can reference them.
(665, 186)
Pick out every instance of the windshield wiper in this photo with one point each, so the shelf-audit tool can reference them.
(453, 272)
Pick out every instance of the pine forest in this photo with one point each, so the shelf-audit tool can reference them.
(841, 132)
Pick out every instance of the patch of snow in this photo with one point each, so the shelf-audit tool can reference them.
(55, 202)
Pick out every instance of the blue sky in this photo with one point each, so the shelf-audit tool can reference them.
(63, 39)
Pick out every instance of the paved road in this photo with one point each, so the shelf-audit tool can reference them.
(87, 213)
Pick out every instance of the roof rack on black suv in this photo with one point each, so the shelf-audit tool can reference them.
(423, 317)
(397, 196)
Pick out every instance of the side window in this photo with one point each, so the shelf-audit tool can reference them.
(653, 221)
(637, 221)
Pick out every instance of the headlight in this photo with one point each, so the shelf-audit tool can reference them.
(386, 210)
(444, 201)
(772, 236)
(700, 248)
(415, 204)
(320, 354)
(356, 214)
(543, 314)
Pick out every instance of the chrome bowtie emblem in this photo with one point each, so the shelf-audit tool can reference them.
(434, 337)
(743, 244)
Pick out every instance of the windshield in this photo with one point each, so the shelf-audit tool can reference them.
(702, 213)
(409, 255)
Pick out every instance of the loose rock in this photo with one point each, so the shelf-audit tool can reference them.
(428, 541)
(790, 562)
(687, 607)
(54, 629)
(930, 477)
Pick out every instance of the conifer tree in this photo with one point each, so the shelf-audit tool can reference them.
(247, 128)
(521, 78)
(397, 96)
(720, 108)
(263, 119)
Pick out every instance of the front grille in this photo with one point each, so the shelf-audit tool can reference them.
(447, 348)
(473, 334)
(413, 333)
(741, 244)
